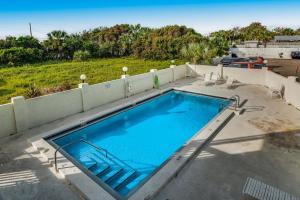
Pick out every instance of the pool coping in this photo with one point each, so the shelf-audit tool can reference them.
(168, 170)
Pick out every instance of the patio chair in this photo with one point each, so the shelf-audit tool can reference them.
(208, 79)
(277, 92)
(230, 83)
(214, 78)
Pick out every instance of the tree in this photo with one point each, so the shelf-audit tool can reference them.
(297, 31)
(28, 42)
(55, 44)
(81, 55)
(283, 31)
(255, 31)
(196, 52)
(165, 42)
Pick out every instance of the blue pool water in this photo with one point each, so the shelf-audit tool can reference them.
(140, 139)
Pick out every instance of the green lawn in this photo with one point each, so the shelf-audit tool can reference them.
(15, 80)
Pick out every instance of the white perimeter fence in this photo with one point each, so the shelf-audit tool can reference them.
(22, 114)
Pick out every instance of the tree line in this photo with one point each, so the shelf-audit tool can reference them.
(169, 42)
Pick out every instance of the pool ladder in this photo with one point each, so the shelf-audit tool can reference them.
(107, 154)
(236, 99)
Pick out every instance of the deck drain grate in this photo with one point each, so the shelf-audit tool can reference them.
(257, 190)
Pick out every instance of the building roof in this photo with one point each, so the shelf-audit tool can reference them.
(287, 38)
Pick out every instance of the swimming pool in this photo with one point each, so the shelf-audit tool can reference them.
(123, 150)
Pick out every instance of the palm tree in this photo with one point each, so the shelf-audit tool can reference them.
(55, 43)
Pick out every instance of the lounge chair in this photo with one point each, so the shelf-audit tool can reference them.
(276, 92)
(229, 83)
(214, 78)
(208, 79)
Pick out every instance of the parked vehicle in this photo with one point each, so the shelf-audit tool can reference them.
(249, 62)
(295, 54)
(229, 60)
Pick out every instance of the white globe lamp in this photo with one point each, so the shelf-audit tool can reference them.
(82, 78)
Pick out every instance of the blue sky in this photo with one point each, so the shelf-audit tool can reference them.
(203, 15)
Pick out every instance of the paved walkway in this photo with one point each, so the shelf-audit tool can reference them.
(240, 150)
(25, 174)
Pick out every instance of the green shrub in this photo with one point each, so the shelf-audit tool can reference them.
(81, 55)
(32, 91)
(64, 86)
(19, 55)
(156, 82)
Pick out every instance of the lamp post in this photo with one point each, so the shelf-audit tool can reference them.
(125, 69)
(82, 78)
(221, 71)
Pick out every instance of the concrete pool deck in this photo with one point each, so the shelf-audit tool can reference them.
(241, 149)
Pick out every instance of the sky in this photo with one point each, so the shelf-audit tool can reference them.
(204, 16)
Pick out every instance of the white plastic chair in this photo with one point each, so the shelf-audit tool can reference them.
(207, 79)
(229, 83)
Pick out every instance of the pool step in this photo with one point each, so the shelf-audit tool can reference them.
(99, 169)
(87, 162)
(100, 158)
(110, 175)
(115, 183)
(126, 187)
(110, 170)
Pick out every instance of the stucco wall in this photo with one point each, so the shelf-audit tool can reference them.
(275, 81)
(141, 82)
(264, 52)
(256, 76)
(292, 92)
(22, 114)
(48, 108)
(180, 72)
(7, 120)
(102, 93)
(249, 76)
(165, 76)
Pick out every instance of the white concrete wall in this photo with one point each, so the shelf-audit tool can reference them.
(244, 75)
(180, 72)
(292, 92)
(265, 52)
(256, 76)
(141, 82)
(248, 76)
(165, 76)
(275, 81)
(7, 122)
(23, 114)
(102, 93)
(41, 110)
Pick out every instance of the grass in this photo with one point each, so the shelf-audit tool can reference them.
(15, 80)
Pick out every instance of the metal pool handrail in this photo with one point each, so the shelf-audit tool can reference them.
(94, 146)
(235, 98)
(73, 142)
